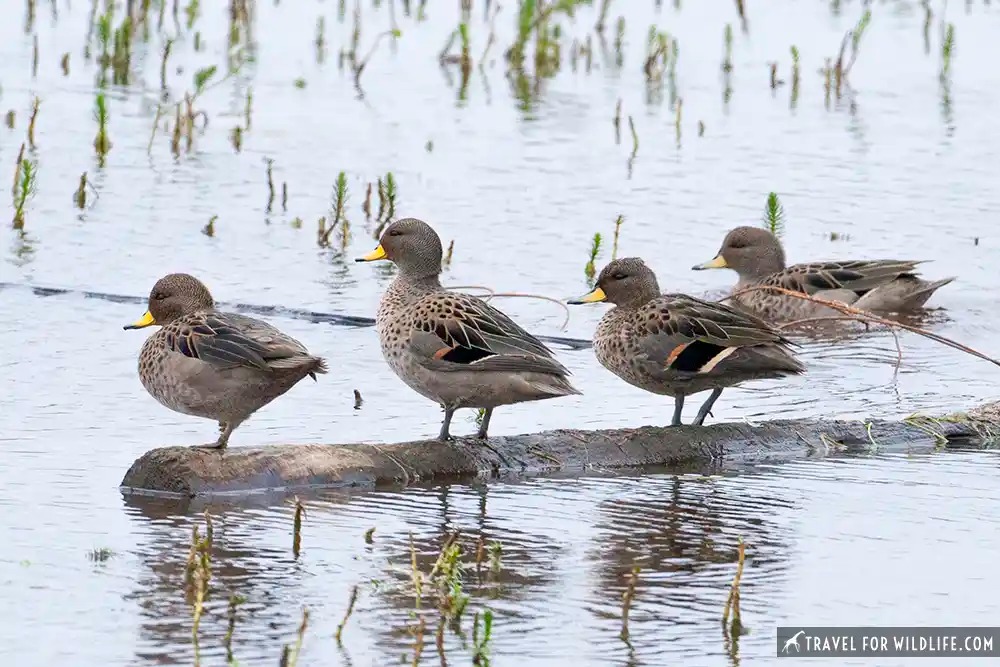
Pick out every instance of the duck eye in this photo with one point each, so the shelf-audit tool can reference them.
(619, 276)
(159, 296)
(395, 232)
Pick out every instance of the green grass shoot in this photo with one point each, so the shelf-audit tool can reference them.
(947, 48)
(102, 143)
(80, 196)
(524, 21)
(481, 635)
(859, 30)
(104, 34)
(727, 59)
(122, 57)
(201, 78)
(390, 196)
(595, 249)
(463, 34)
(339, 197)
(27, 185)
(774, 215)
(192, 13)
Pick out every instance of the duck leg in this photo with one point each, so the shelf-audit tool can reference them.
(485, 424)
(446, 424)
(225, 430)
(678, 408)
(706, 408)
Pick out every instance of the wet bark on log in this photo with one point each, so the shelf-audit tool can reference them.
(196, 472)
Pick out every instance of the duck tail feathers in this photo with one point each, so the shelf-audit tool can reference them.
(555, 385)
(306, 364)
(918, 298)
(318, 367)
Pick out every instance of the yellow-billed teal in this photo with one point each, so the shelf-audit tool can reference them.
(455, 349)
(676, 345)
(886, 285)
(220, 366)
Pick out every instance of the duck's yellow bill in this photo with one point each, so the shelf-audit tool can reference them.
(718, 263)
(375, 255)
(593, 297)
(147, 320)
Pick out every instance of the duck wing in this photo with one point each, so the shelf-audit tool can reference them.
(228, 340)
(679, 333)
(453, 331)
(858, 276)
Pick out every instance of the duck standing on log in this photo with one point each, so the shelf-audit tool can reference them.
(676, 345)
(455, 349)
(756, 255)
(220, 366)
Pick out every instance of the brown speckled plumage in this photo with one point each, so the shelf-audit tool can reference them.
(456, 349)
(677, 345)
(756, 255)
(221, 366)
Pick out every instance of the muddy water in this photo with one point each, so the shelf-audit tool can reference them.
(901, 166)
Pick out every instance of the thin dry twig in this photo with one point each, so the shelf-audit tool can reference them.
(813, 320)
(867, 316)
(493, 294)
(850, 318)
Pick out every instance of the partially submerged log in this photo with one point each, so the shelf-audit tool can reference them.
(184, 471)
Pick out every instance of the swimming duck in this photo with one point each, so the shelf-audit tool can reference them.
(756, 255)
(676, 345)
(220, 366)
(455, 349)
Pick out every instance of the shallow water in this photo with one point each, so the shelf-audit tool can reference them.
(904, 166)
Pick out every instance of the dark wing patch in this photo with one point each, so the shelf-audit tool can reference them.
(475, 325)
(462, 355)
(679, 333)
(184, 347)
(462, 329)
(695, 355)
